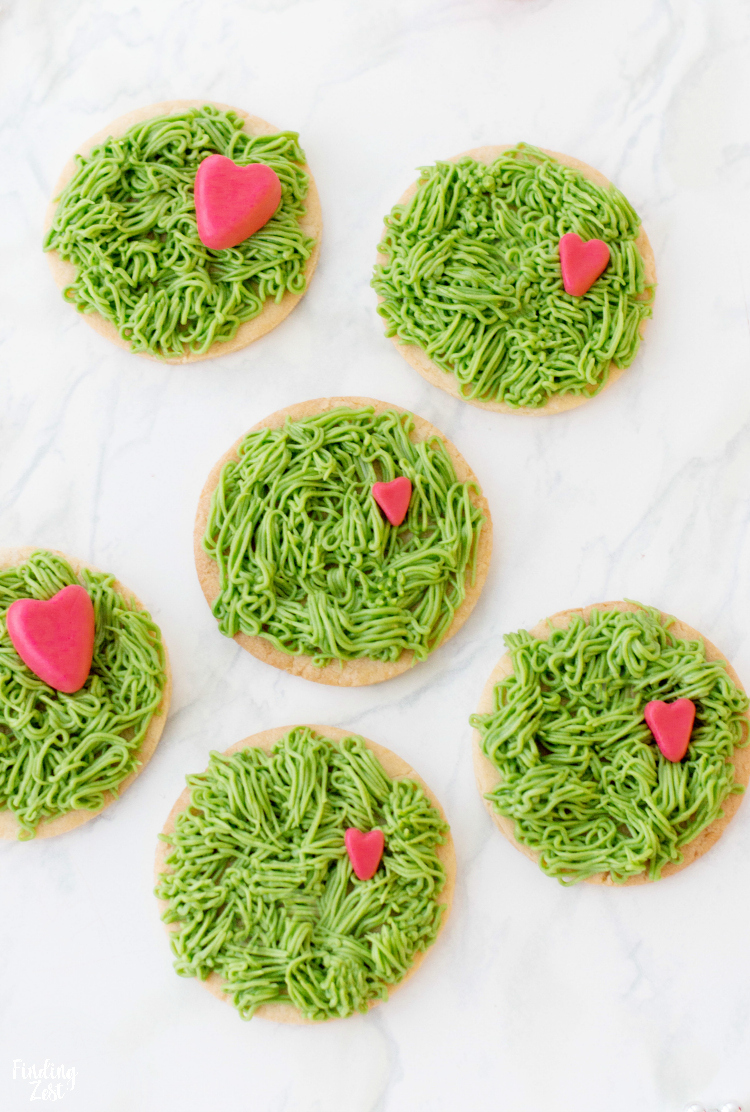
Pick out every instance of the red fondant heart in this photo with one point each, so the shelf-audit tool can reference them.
(671, 724)
(365, 851)
(55, 639)
(393, 498)
(581, 262)
(232, 202)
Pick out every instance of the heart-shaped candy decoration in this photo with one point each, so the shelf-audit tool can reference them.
(393, 498)
(671, 724)
(581, 262)
(55, 639)
(232, 202)
(365, 850)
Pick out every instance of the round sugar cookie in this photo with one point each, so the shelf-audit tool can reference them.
(488, 776)
(272, 313)
(361, 671)
(446, 380)
(396, 769)
(60, 824)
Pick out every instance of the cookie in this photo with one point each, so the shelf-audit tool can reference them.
(271, 914)
(106, 731)
(567, 764)
(329, 573)
(470, 283)
(210, 302)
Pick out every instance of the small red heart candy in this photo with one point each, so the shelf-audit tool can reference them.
(55, 639)
(581, 262)
(232, 202)
(393, 498)
(671, 724)
(365, 851)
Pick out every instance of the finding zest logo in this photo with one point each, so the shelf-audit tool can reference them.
(47, 1082)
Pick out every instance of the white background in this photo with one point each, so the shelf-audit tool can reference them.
(536, 998)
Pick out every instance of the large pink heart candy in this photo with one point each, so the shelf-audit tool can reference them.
(55, 639)
(232, 202)
(393, 498)
(671, 724)
(365, 851)
(581, 263)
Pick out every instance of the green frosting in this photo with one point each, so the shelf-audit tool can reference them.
(580, 773)
(261, 885)
(127, 222)
(58, 752)
(473, 278)
(305, 556)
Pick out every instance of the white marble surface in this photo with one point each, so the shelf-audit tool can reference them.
(536, 999)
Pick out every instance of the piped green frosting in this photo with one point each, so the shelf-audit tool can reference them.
(580, 773)
(127, 222)
(58, 752)
(472, 277)
(261, 888)
(306, 558)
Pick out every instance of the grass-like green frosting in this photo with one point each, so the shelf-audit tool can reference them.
(473, 278)
(580, 773)
(258, 878)
(306, 558)
(127, 222)
(58, 752)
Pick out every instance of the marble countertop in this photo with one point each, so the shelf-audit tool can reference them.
(536, 998)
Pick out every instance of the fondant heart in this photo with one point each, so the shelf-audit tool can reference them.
(232, 202)
(671, 724)
(55, 639)
(365, 850)
(581, 262)
(393, 498)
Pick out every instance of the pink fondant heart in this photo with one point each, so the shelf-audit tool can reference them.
(581, 262)
(232, 202)
(393, 498)
(55, 639)
(365, 851)
(671, 724)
